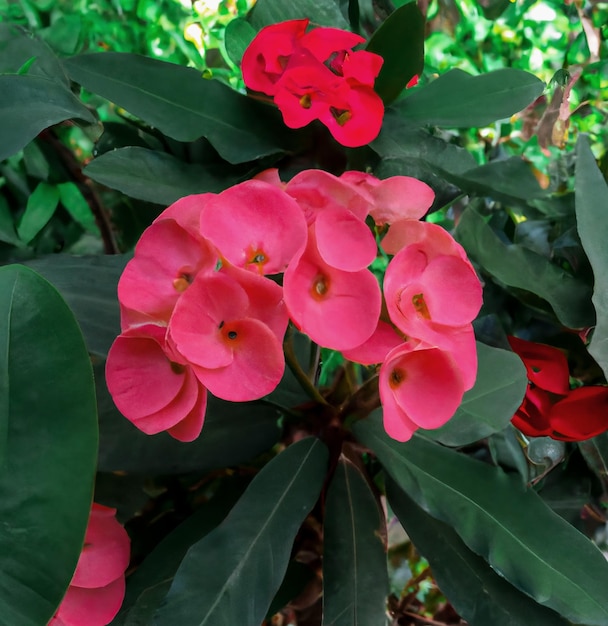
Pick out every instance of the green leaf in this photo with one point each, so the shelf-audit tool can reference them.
(182, 104)
(233, 433)
(400, 139)
(488, 407)
(503, 180)
(30, 104)
(319, 12)
(7, 225)
(41, 206)
(48, 423)
(591, 198)
(516, 266)
(88, 285)
(232, 575)
(154, 176)
(18, 48)
(75, 204)
(400, 42)
(457, 99)
(595, 451)
(500, 520)
(149, 584)
(355, 577)
(477, 592)
(238, 35)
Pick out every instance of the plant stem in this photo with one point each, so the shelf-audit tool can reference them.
(298, 372)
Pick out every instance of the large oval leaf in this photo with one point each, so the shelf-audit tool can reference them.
(30, 104)
(88, 285)
(400, 42)
(154, 176)
(519, 267)
(233, 433)
(488, 407)
(591, 197)
(477, 592)
(500, 520)
(182, 104)
(355, 578)
(457, 99)
(231, 576)
(319, 12)
(149, 584)
(48, 415)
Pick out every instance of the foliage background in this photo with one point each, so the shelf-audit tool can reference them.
(47, 205)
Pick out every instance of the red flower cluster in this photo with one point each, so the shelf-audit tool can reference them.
(550, 408)
(317, 75)
(199, 312)
(97, 589)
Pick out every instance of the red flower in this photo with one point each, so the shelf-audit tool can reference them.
(97, 589)
(317, 75)
(550, 408)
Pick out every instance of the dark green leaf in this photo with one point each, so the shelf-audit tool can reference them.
(519, 267)
(238, 35)
(355, 578)
(88, 285)
(75, 204)
(400, 139)
(457, 99)
(233, 433)
(18, 48)
(500, 520)
(507, 179)
(400, 42)
(493, 9)
(591, 197)
(488, 407)
(147, 587)
(232, 575)
(30, 104)
(154, 176)
(7, 225)
(182, 104)
(320, 12)
(40, 208)
(595, 451)
(48, 420)
(477, 592)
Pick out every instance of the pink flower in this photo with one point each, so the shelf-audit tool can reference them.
(425, 295)
(187, 212)
(231, 334)
(255, 225)
(167, 258)
(335, 308)
(375, 349)
(337, 213)
(433, 238)
(153, 386)
(393, 199)
(419, 388)
(97, 589)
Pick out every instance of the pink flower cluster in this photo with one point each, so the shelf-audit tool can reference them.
(200, 312)
(97, 589)
(317, 75)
